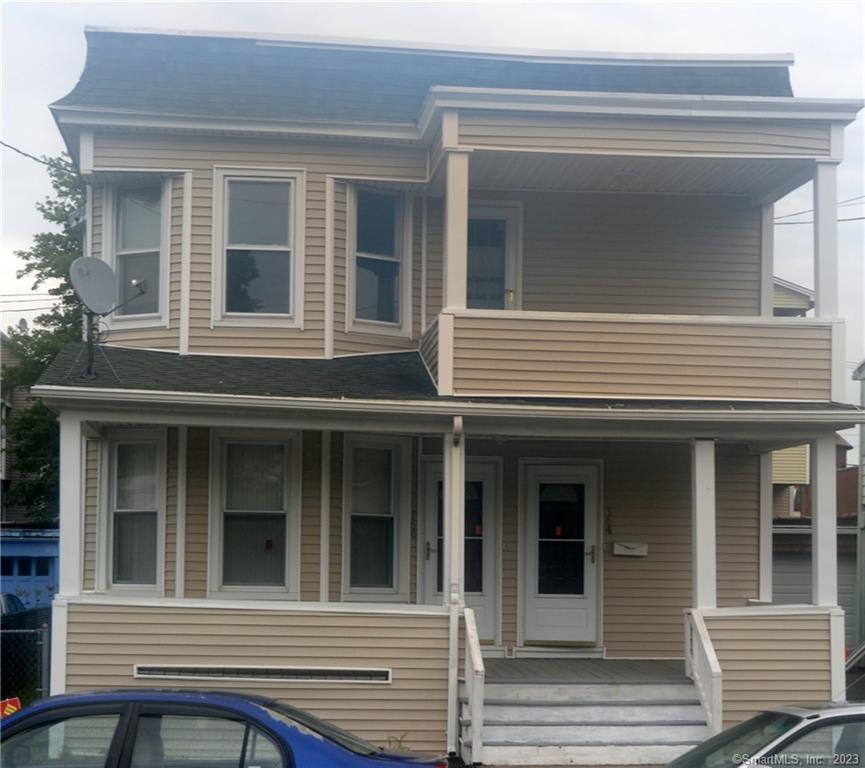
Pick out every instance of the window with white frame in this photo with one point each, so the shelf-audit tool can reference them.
(379, 270)
(376, 515)
(136, 509)
(139, 250)
(258, 272)
(257, 548)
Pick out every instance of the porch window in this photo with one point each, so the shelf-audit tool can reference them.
(473, 567)
(136, 503)
(379, 271)
(256, 548)
(138, 249)
(376, 500)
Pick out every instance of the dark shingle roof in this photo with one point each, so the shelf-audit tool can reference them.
(390, 376)
(231, 77)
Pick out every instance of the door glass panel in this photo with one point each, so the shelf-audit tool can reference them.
(487, 258)
(473, 572)
(561, 546)
(75, 741)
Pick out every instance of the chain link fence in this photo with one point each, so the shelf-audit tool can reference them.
(25, 655)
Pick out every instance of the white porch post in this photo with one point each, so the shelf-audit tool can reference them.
(71, 502)
(824, 533)
(703, 553)
(766, 553)
(456, 229)
(453, 455)
(826, 240)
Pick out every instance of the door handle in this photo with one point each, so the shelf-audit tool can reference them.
(428, 548)
(509, 297)
(592, 553)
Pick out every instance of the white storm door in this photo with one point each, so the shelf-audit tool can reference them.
(560, 531)
(481, 588)
(493, 247)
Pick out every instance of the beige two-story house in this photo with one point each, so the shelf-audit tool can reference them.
(447, 408)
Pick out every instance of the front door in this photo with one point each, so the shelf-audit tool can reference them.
(492, 257)
(560, 554)
(480, 541)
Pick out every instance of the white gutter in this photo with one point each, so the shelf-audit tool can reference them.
(103, 396)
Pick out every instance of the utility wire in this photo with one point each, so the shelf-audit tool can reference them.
(49, 163)
(27, 301)
(29, 309)
(840, 203)
(790, 223)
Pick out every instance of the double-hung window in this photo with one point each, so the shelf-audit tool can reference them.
(136, 508)
(379, 293)
(376, 515)
(258, 494)
(258, 270)
(139, 253)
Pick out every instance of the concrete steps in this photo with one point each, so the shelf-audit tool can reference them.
(587, 723)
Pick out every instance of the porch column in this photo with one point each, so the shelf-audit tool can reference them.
(454, 461)
(824, 533)
(71, 500)
(456, 229)
(826, 240)
(703, 552)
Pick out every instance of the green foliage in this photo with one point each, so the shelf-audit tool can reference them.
(35, 437)
(33, 432)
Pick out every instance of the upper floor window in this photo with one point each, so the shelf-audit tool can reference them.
(139, 252)
(258, 274)
(379, 267)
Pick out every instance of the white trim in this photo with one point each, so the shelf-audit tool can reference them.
(765, 546)
(424, 226)
(836, 655)
(824, 526)
(703, 525)
(296, 178)
(455, 240)
(512, 212)
(445, 359)
(750, 611)
(288, 681)
(110, 212)
(839, 367)
(292, 441)
(186, 265)
(82, 501)
(825, 204)
(403, 242)
(329, 260)
(85, 152)
(291, 606)
(324, 519)
(105, 552)
(88, 217)
(400, 447)
(59, 636)
(71, 510)
(767, 256)
(180, 512)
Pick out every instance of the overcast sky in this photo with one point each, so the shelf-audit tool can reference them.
(43, 53)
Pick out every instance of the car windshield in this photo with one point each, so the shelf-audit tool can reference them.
(734, 746)
(323, 728)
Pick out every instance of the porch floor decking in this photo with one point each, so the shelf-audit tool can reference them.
(576, 671)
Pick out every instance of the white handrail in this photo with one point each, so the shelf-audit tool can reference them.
(475, 676)
(702, 666)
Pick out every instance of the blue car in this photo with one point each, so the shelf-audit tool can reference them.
(183, 729)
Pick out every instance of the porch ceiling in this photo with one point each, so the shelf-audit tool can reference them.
(759, 178)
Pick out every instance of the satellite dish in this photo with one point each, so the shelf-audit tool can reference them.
(95, 284)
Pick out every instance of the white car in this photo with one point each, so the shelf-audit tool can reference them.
(824, 735)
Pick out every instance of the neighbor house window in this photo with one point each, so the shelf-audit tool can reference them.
(257, 546)
(136, 506)
(138, 249)
(376, 504)
(379, 271)
(258, 274)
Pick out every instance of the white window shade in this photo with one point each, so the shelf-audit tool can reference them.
(255, 477)
(136, 476)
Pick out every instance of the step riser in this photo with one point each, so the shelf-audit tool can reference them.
(613, 756)
(516, 692)
(501, 714)
(558, 734)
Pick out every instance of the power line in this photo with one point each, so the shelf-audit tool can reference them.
(840, 203)
(791, 223)
(49, 163)
(28, 301)
(29, 309)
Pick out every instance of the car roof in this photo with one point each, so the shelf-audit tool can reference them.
(823, 709)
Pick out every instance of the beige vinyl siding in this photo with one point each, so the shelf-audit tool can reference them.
(434, 257)
(429, 349)
(197, 510)
(790, 465)
(768, 661)
(638, 135)
(786, 298)
(104, 642)
(335, 562)
(92, 450)
(598, 357)
(170, 578)
(317, 159)
(310, 517)
(657, 254)
(781, 499)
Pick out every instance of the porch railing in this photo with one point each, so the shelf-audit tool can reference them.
(702, 666)
(471, 749)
